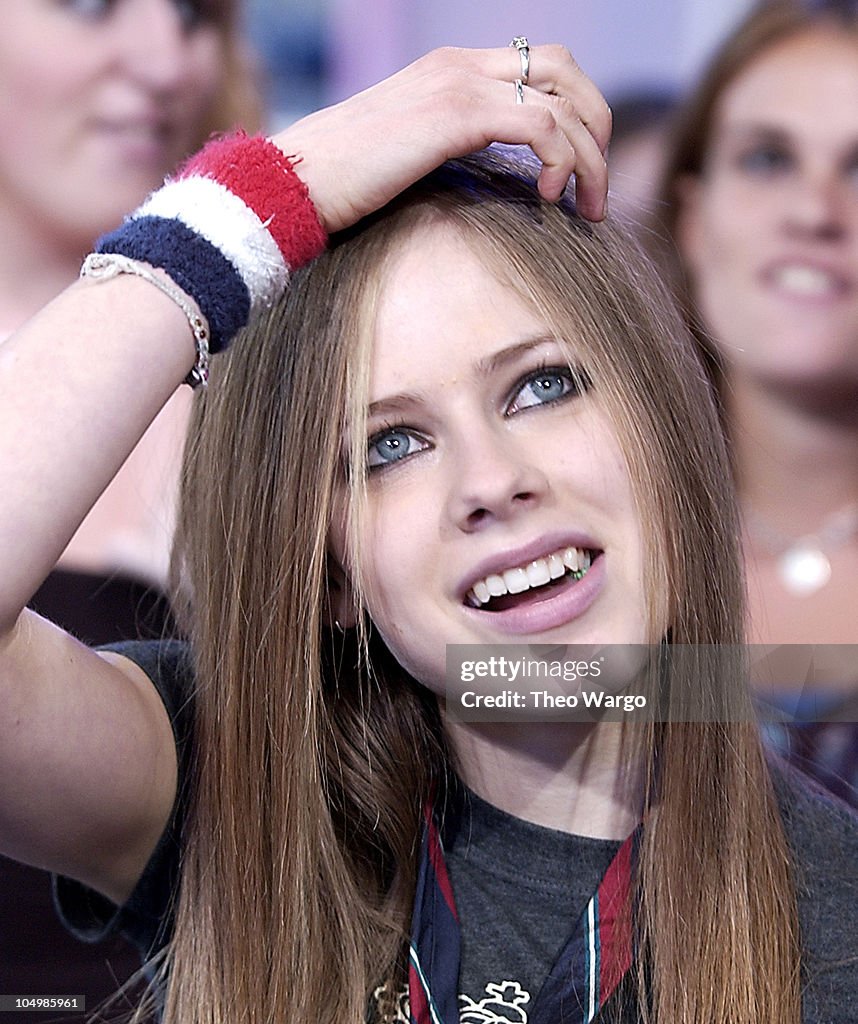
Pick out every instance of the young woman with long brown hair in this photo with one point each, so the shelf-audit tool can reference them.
(760, 207)
(475, 419)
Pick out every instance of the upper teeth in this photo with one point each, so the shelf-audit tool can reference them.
(534, 574)
(804, 280)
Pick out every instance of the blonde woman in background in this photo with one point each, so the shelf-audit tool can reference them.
(99, 100)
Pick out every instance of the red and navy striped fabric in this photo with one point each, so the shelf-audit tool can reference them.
(199, 268)
(597, 954)
(433, 969)
(591, 965)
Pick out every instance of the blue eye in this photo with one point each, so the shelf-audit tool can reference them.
(551, 384)
(391, 446)
(191, 12)
(89, 8)
(765, 159)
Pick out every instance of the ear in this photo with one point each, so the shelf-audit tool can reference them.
(689, 220)
(340, 607)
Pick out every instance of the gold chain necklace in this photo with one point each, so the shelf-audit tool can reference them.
(803, 564)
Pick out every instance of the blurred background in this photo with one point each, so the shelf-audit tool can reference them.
(319, 51)
(641, 55)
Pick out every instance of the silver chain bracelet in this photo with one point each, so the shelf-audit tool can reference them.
(104, 265)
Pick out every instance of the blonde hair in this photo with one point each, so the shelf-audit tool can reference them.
(312, 762)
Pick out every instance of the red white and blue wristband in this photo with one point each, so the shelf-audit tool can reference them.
(227, 229)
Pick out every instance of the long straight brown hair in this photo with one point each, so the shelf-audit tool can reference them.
(312, 761)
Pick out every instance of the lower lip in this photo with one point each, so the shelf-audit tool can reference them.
(562, 607)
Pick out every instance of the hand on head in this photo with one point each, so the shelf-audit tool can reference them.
(359, 154)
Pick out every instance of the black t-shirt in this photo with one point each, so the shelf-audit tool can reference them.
(520, 888)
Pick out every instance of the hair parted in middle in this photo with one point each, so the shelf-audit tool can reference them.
(314, 756)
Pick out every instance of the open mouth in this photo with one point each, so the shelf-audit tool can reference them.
(529, 584)
(802, 281)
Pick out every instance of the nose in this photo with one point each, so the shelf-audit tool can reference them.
(153, 44)
(815, 208)
(493, 480)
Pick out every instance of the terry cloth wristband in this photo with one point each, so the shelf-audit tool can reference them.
(227, 229)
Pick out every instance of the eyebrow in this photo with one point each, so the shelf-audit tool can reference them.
(757, 130)
(484, 367)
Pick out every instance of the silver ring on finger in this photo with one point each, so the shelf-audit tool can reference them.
(519, 91)
(521, 44)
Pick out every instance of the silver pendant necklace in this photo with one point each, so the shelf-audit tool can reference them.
(803, 564)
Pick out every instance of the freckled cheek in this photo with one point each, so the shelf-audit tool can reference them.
(387, 560)
(396, 561)
(584, 456)
(577, 462)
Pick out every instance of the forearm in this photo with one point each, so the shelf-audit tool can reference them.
(79, 384)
